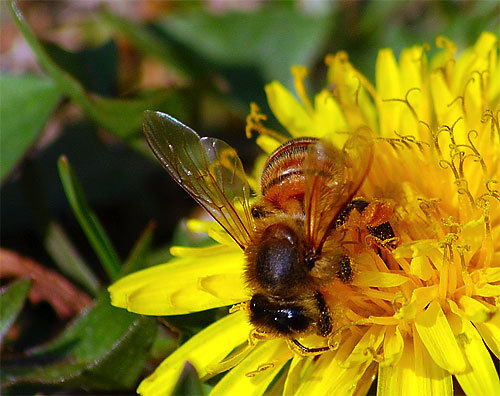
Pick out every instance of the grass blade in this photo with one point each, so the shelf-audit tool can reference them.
(88, 221)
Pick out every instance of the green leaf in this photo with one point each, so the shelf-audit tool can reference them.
(12, 300)
(27, 102)
(88, 221)
(273, 39)
(139, 255)
(122, 117)
(68, 259)
(96, 68)
(189, 382)
(104, 349)
(149, 43)
(165, 343)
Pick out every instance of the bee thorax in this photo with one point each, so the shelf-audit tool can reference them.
(279, 260)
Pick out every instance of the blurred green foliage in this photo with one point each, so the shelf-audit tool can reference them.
(31, 100)
(92, 220)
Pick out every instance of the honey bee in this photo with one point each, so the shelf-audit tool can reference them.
(293, 234)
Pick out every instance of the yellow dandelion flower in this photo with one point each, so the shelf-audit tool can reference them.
(414, 315)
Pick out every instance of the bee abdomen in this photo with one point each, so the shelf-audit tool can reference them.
(283, 178)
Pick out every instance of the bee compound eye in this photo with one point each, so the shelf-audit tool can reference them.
(258, 303)
(291, 319)
(285, 318)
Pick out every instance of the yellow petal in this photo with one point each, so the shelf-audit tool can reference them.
(350, 87)
(317, 378)
(427, 248)
(486, 43)
(447, 109)
(293, 379)
(420, 298)
(474, 310)
(384, 320)
(388, 89)
(327, 377)
(414, 374)
(276, 387)
(366, 347)
(184, 251)
(412, 64)
(490, 332)
(218, 286)
(183, 285)
(365, 382)
(433, 380)
(421, 267)
(254, 374)
(489, 275)
(399, 378)
(197, 225)
(367, 109)
(473, 99)
(393, 346)
(329, 118)
(473, 234)
(480, 377)
(486, 47)
(214, 231)
(444, 60)
(268, 144)
(378, 279)
(299, 75)
(436, 334)
(204, 349)
(289, 112)
(474, 59)
(413, 68)
(218, 234)
(487, 291)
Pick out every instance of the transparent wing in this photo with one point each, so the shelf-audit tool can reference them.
(332, 178)
(208, 169)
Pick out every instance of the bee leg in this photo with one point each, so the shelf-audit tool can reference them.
(233, 359)
(325, 324)
(244, 306)
(345, 272)
(359, 204)
(383, 235)
(302, 350)
(255, 336)
(373, 217)
(260, 369)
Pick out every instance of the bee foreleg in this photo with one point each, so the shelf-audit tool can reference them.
(255, 336)
(297, 347)
(244, 306)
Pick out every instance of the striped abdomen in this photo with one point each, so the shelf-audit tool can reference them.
(282, 180)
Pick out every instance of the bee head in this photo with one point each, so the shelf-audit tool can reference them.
(279, 316)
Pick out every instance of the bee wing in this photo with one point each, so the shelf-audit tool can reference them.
(332, 178)
(207, 168)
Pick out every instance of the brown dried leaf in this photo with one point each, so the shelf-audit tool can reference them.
(47, 285)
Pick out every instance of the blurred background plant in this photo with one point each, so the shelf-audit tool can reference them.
(81, 197)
